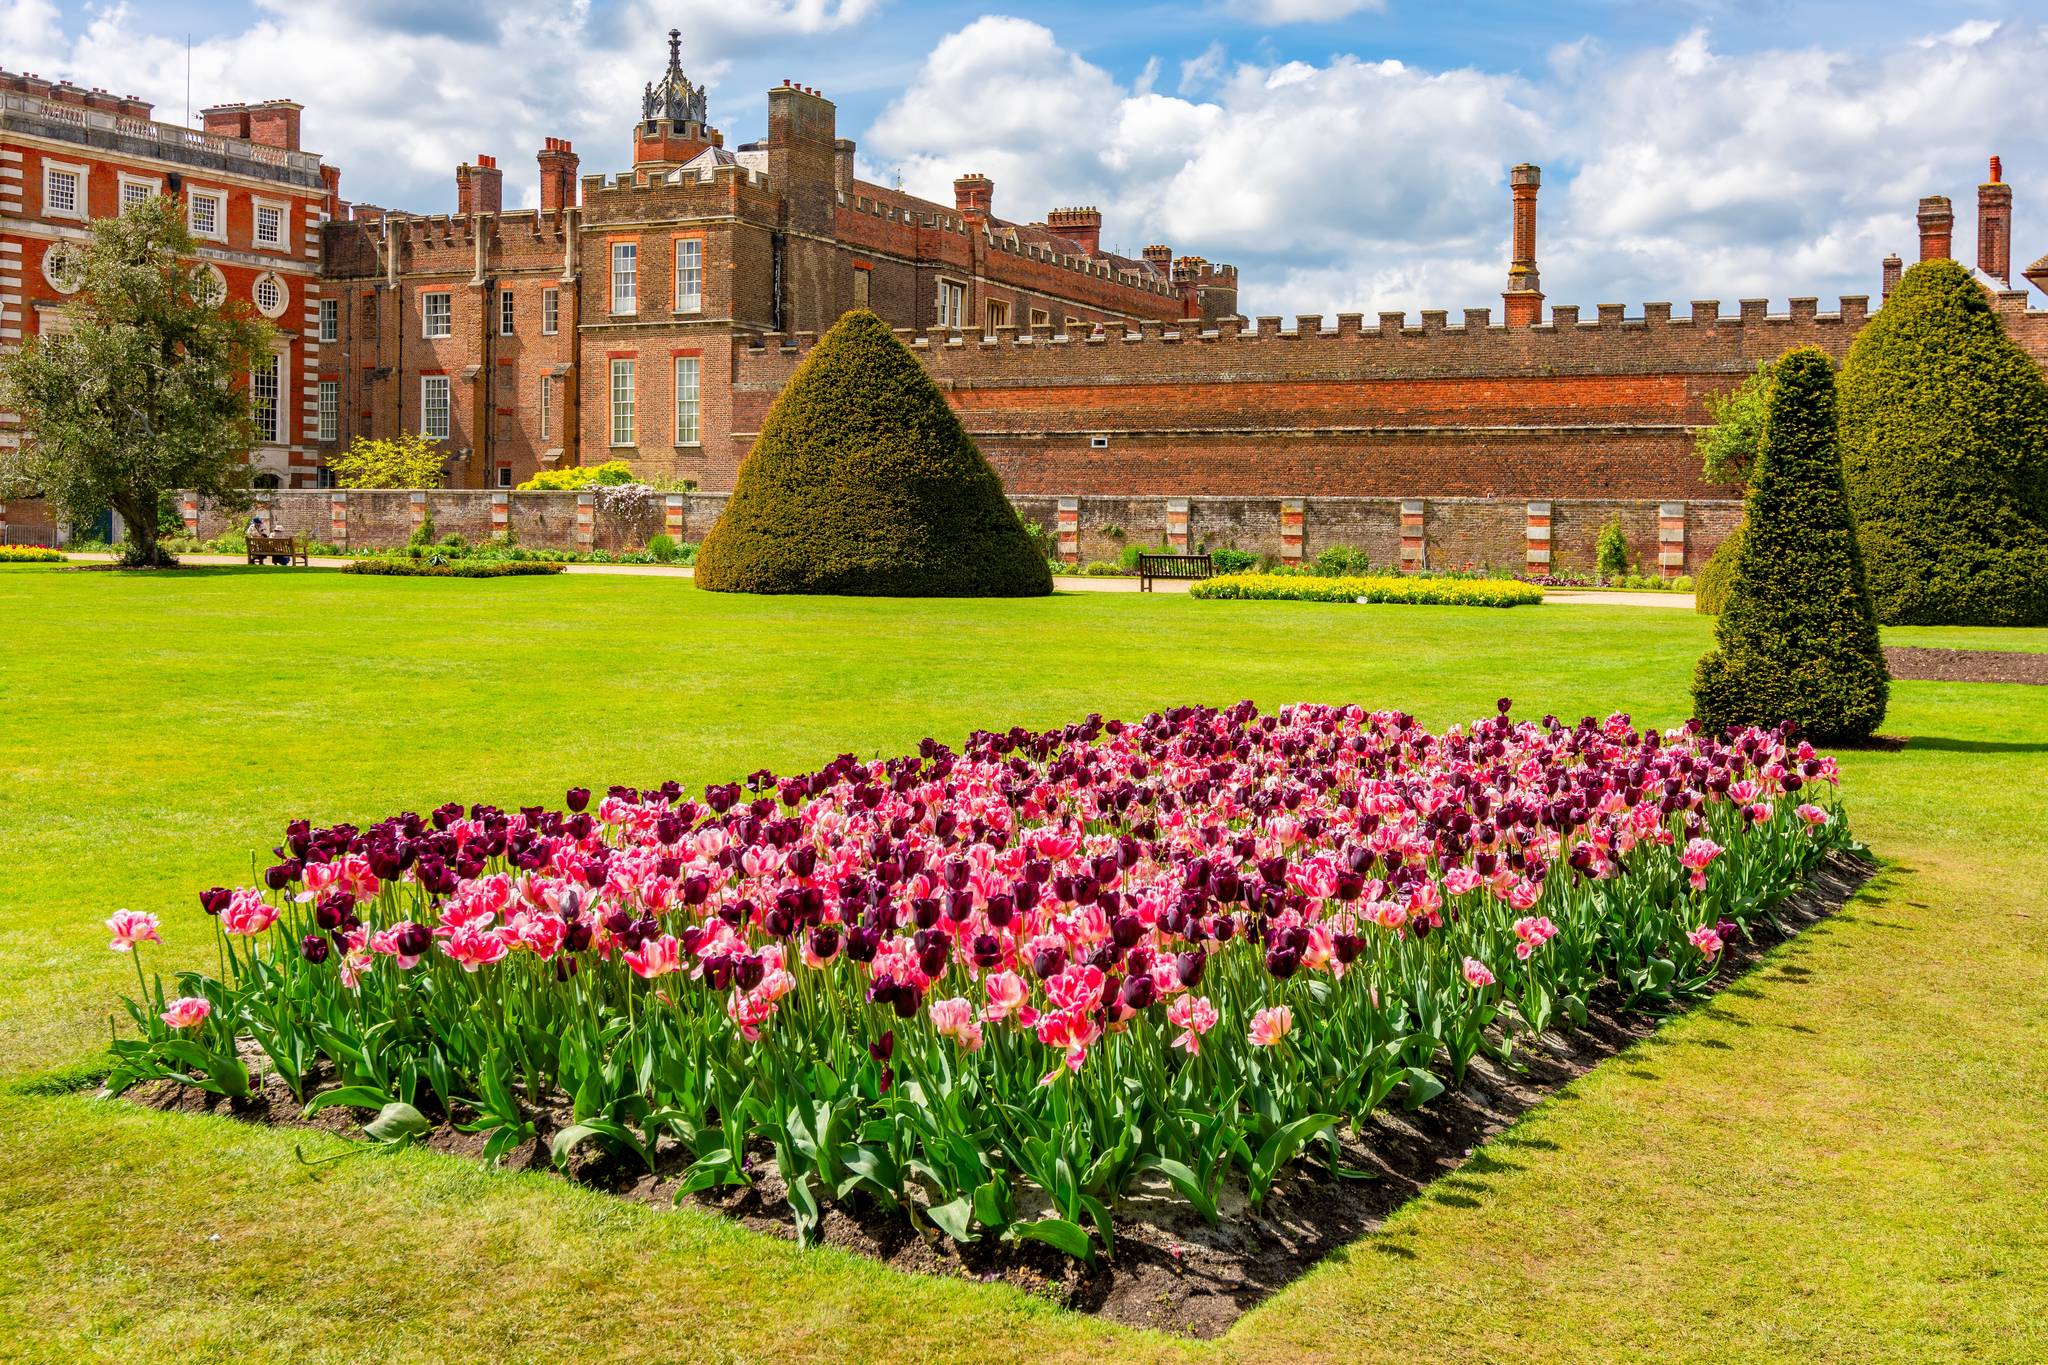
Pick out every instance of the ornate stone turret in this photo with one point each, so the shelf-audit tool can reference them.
(672, 129)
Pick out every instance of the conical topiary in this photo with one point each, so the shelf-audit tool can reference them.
(1798, 639)
(863, 481)
(1945, 450)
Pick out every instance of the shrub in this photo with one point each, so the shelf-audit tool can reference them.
(1227, 560)
(661, 548)
(1945, 452)
(30, 554)
(1127, 558)
(451, 568)
(408, 460)
(1338, 561)
(1610, 554)
(1301, 587)
(610, 474)
(863, 481)
(1717, 576)
(1798, 639)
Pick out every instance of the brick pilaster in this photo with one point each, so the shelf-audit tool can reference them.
(586, 520)
(1414, 544)
(501, 512)
(1069, 528)
(1671, 539)
(1536, 534)
(337, 519)
(1177, 525)
(188, 512)
(1293, 518)
(417, 510)
(672, 516)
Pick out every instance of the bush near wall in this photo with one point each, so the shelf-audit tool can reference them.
(863, 481)
(410, 568)
(1717, 576)
(1798, 639)
(1945, 451)
(1439, 592)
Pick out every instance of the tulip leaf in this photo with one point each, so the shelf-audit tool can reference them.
(1423, 1086)
(955, 1219)
(1059, 1234)
(1184, 1180)
(354, 1096)
(397, 1122)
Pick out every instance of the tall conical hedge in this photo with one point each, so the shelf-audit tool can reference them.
(863, 481)
(1798, 639)
(1945, 449)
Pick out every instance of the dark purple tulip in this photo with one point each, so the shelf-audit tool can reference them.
(1283, 962)
(1127, 930)
(987, 951)
(1189, 967)
(280, 875)
(718, 972)
(825, 941)
(415, 939)
(747, 973)
(1139, 992)
(333, 908)
(861, 943)
(1048, 960)
(215, 899)
(314, 948)
(1349, 946)
(1000, 910)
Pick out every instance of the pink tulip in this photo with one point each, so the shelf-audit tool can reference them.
(248, 914)
(1698, 856)
(1814, 815)
(130, 927)
(187, 1011)
(1193, 1016)
(1007, 995)
(1707, 939)
(950, 1016)
(655, 957)
(474, 947)
(1476, 975)
(1269, 1026)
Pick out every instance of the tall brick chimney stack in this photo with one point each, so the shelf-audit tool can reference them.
(1892, 266)
(1082, 227)
(1160, 258)
(1937, 226)
(558, 162)
(479, 188)
(1523, 300)
(1994, 226)
(974, 197)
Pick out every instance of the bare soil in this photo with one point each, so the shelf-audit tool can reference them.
(1915, 664)
(1171, 1270)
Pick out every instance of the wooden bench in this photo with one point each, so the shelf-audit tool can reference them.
(1171, 566)
(287, 548)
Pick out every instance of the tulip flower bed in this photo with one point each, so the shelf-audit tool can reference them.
(997, 989)
(1416, 591)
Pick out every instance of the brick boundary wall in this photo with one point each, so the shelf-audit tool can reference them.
(1415, 532)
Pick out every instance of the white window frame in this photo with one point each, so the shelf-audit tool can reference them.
(624, 372)
(693, 300)
(271, 432)
(284, 294)
(281, 241)
(329, 422)
(506, 313)
(550, 312)
(431, 384)
(219, 200)
(504, 476)
(445, 315)
(689, 421)
(150, 188)
(547, 404)
(989, 308)
(625, 283)
(81, 187)
(330, 320)
(952, 305)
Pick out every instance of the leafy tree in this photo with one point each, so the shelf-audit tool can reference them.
(1798, 640)
(863, 481)
(1945, 449)
(1727, 449)
(408, 460)
(145, 392)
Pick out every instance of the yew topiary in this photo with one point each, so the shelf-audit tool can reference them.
(1798, 639)
(1717, 575)
(1945, 451)
(864, 482)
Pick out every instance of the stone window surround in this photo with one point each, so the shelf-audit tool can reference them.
(80, 209)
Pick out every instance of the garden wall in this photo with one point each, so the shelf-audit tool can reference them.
(1438, 533)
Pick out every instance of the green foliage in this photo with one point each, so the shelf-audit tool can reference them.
(863, 481)
(1414, 590)
(408, 460)
(1227, 560)
(661, 548)
(1610, 552)
(1127, 558)
(145, 392)
(1338, 561)
(437, 567)
(1798, 638)
(423, 538)
(610, 474)
(1727, 449)
(1717, 576)
(1945, 450)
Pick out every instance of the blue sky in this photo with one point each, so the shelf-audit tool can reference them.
(1347, 156)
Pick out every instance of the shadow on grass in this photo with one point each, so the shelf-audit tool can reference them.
(1943, 744)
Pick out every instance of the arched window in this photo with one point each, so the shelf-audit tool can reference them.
(266, 482)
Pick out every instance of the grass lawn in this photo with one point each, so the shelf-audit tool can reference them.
(1841, 1158)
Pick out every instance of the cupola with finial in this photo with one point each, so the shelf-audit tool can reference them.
(672, 129)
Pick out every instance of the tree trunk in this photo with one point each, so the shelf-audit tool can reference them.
(141, 550)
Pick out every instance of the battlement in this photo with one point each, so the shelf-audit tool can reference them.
(1706, 341)
(1008, 240)
(645, 182)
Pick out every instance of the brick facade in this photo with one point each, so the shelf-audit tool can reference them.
(255, 200)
